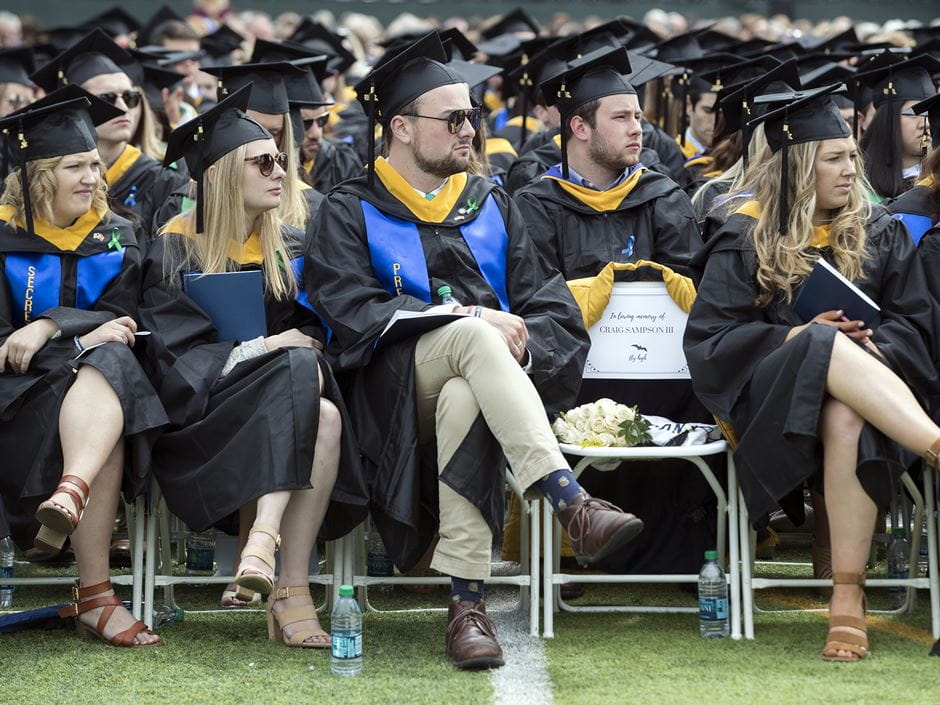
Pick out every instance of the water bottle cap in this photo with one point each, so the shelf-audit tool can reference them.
(898, 531)
(346, 591)
(443, 291)
(711, 555)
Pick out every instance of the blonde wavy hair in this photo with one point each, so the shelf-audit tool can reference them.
(784, 261)
(294, 209)
(42, 189)
(145, 136)
(740, 178)
(224, 214)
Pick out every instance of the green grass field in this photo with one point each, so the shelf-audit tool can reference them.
(594, 659)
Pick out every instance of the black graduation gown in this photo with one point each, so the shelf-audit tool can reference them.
(579, 241)
(668, 151)
(235, 438)
(335, 162)
(538, 139)
(345, 291)
(916, 209)
(80, 278)
(142, 185)
(772, 391)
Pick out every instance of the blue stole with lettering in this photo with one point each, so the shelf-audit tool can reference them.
(398, 258)
(35, 281)
(297, 267)
(916, 225)
(94, 274)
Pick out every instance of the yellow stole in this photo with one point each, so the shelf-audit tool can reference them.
(248, 252)
(689, 150)
(820, 239)
(434, 211)
(531, 124)
(499, 145)
(601, 201)
(66, 239)
(130, 155)
(926, 181)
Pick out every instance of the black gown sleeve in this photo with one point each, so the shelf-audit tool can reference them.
(541, 225)
(676, 235)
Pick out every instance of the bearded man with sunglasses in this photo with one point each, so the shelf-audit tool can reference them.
(326, 162)
(137, 184)
(439, 414)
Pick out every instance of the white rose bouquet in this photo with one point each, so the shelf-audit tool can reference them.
(603, 423)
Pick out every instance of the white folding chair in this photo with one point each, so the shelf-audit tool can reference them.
(925, 507)
(605, 347)
(527, 580)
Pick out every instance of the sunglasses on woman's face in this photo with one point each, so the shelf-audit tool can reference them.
(131, 98)
(321, 122)
(266, 162)
(456, 119)
(17, 101)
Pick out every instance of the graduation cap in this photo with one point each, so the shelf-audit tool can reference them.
(592, 77)
(727, 73)
(163, 15)
(61, 123)
(807, 116)
(931, 106)
(738, 106)
(502, 50)
(838, 44)
(114, 22)
(269, 94)
(155, 80)
(901, 81)
(400, 79)
(61, 38)
(516, 21)
(711, 40)
(752, 47)
(318, 38)
(922, 35)
(93, 55)
(473, 74)
(689, 79)
(208, 137)
(826, 75)
(457, 45)
(931, 48)
(645, 69)
(682, 46)
(16, 64)
(220, 44)
(303, 90)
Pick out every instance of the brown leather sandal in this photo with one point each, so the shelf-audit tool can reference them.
(291, 615)
(110, 603)
(253, 579)
(841, 640)
(59, 520)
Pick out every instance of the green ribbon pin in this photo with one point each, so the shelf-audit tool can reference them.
(115, 243)
(472, 205)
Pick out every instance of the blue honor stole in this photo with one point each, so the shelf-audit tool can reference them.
(399, 262)
(916, 224)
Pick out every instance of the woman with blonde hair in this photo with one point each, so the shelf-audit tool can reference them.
(73, 397)
(257, 423)
(790, 384)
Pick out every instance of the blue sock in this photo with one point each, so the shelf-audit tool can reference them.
(466, 590)
(560, 488)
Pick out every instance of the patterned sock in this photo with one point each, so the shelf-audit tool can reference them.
(560, 488)
(466, 590)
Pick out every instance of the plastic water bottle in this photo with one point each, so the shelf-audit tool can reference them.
(378, 564)
(346, 634)
(7, 553)
(200, 553)
(899, 556)
(164, 615)
(447, 295)
(712, 599)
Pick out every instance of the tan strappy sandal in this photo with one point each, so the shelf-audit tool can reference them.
(59, 520)
(251, 578)
(841, 640)
(277, 621)
(81, 605)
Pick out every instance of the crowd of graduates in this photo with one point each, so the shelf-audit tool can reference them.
(455, 167)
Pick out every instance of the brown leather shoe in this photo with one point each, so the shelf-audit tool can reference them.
(471, 637)
(597, 528)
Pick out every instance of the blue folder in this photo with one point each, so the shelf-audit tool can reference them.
(233, 300)
(825, 289)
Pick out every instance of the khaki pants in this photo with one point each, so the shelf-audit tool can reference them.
(461, 370)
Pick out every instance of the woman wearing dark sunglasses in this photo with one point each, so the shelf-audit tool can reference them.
(257, 425)
(137, 182)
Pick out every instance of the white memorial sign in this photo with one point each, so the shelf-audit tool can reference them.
(639, 336)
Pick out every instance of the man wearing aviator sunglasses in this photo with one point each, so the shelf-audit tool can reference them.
(391, 241)
(326, 162)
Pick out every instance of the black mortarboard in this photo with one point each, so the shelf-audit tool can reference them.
(826, 75)
(752, 47)
(63, 122)
(687, 80)
(269, 94)
(171, 58)
(728, 73)
(516, 21)
(644, 69)
(303, 90)
(114, 22)
(682, 46)
(16, 63)
(318, 38)
(398, 80)
(932, 48)
(838, 44)
(616, 28)
(155, 80)
(163, 15)
(901, 81)
(504, 50)
(208, 137)
(457, 45)
(641, 37)
(931, 106)
(784, 52)
(922, 35)
(93, 55)
(61, 38)
(220, 44)
(473, 74)
(592, 77)
(738, 106)
(807, 116)
(711, 41)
